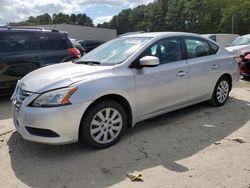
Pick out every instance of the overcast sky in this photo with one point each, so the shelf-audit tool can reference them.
(98, 10)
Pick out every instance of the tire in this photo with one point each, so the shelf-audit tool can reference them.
(103, 125)
(246, 77)
(221, 92)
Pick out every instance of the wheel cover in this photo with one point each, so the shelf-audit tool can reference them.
(222, 91)
(106, 125)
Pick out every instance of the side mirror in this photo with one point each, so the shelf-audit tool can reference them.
(149, 61)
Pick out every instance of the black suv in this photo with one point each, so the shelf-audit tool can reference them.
(23, 50)
(89, 45)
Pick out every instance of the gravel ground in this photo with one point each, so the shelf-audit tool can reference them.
(192, 147)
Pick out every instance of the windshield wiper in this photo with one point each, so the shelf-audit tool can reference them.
(88, 62)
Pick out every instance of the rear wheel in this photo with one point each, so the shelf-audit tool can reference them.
(104, 124)
(221, 92)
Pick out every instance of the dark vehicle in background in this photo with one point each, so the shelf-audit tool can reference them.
(89, 45)
(245, 64)
(23, 50)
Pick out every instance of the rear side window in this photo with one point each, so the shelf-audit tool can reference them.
(213, 48)
(197, 48)
(14, 42)
(51, 41)
(213, 37)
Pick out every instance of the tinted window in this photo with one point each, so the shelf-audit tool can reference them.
(197, 48)
(167, 50)
(51, 41)
(14, 42)
(213, 37)
(213, 48)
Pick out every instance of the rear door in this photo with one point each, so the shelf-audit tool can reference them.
(18, 57)
(54, 46)
(204, 67)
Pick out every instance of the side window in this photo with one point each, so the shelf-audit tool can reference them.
(197, 48)
(213, 37)
(14, 42)
(51, 41)
(167, 50)
(63, 42)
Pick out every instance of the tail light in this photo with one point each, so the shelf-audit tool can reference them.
(247, 57)
(75, 52)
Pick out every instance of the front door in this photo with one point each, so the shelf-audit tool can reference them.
(164, 86)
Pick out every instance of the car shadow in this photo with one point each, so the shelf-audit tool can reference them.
(245, 78)
(5, 107)
(159, 141)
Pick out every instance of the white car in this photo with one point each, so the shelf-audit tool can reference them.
(124, 81)
(240, 44)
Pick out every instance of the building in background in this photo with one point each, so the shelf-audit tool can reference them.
(79, 32)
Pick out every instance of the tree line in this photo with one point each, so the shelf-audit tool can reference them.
(45, 19)
(206, 16)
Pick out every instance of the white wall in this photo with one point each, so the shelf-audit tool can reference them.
(83, 32)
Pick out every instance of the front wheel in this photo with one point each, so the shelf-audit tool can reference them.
(221, 92)
(103, 125)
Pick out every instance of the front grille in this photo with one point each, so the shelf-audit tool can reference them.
(20, 96)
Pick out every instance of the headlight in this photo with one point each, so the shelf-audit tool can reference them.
(54, 98)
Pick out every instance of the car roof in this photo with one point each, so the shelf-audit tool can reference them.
(163, 34)
(248, 35)
(29, 29)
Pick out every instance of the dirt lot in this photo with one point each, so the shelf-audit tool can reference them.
(192, 147)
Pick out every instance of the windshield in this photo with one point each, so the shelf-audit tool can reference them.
(115, 51)
(241, 41)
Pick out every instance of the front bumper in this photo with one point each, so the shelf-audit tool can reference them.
(63, 120)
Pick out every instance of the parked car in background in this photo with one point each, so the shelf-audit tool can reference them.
(78, 46)
(23, 50)
(222, 39)
(124, 81)
(239, 44)
(89, 45)
(245, 63)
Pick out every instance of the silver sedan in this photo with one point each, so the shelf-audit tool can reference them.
(122, 82)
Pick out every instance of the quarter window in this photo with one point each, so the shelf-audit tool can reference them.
(167, 50)
(213, 48)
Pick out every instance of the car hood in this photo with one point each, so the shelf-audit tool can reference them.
(58, 76)
(237, 49)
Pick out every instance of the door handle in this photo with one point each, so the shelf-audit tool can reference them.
(181, 73)
(214, 66)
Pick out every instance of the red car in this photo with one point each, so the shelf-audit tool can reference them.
(245, 64)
